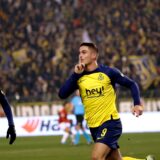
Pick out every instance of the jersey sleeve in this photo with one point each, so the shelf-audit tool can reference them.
(119, 78)
(69, 86)
(6, 107)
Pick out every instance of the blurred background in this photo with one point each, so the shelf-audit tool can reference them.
(39, 43)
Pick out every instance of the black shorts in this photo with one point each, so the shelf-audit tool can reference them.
(108, 133)
(79, 119)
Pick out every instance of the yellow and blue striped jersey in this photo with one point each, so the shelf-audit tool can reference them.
(97, 89)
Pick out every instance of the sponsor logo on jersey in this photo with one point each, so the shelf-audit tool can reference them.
(95, 92)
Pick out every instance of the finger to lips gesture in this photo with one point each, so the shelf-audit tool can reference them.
(79, 68)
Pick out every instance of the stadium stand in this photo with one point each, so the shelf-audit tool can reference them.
(39, 40)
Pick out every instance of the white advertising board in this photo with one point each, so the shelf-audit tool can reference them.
(48, 125)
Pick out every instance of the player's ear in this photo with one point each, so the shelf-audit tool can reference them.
(94, 55)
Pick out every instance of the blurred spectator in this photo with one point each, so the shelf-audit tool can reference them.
(39, 40)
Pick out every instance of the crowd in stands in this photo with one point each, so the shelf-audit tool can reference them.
(39, 40)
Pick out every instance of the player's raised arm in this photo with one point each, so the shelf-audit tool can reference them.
(69, 86)
(11, 133)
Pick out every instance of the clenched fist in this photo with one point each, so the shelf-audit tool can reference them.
(137, 110)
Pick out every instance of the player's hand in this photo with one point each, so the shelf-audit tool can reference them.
(79, 68)
(11, 133)
(137, 110)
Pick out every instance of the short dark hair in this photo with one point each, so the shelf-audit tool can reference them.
(89, 44)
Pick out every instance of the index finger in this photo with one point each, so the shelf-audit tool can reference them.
(79, 61)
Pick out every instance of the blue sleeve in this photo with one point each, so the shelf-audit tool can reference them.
(73, 100)
(118, 77)
(69, 86)
(6, 107)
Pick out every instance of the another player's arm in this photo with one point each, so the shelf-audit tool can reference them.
(7, 109)
(132, 85)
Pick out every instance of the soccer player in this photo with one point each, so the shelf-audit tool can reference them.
(11, 133)
(96, 84)
(78, 109)
(65, 123)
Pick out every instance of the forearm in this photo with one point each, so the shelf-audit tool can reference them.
(6, 107)
(135, 93)
(69, 87)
